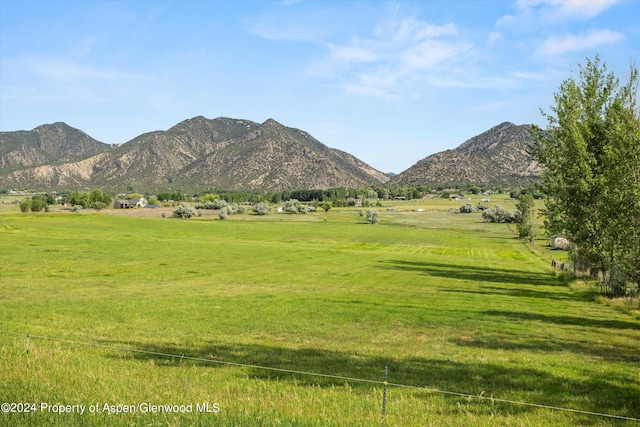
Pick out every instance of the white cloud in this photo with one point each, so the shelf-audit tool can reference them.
(495, 36)
(557, 45)
(531, 13)
(352, 53)
(582, 8)
(395, 56)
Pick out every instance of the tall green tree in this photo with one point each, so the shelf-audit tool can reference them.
(524, 226)
(589, 153)
(622, 157)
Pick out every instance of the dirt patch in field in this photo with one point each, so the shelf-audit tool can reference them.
(155, 213)
(141, 212)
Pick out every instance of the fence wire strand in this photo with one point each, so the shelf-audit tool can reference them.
(316, 374)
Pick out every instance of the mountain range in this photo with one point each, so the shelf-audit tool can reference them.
(238, 154)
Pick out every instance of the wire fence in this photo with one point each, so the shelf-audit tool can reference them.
(383, 383)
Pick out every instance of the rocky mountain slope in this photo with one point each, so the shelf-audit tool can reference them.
(223, 153)
(46, 144)
(498, 155)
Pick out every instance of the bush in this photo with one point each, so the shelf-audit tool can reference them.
(212, 204)
(513, 216)
(236, 208)
(224, 213)
(76, 208)
(261, 208)
(25, 205)
(372, 216)
(327, 206)
(291, 206)
(498, 214)
(185, 210)
(467, 208)
(616, 286)
(495, 214)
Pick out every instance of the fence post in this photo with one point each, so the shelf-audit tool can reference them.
(384, 392)
(27, 349)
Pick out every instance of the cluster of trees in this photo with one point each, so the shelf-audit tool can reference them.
(175, 197)
(37, 203)
(337, 196)
(94, 199)
(590, 153)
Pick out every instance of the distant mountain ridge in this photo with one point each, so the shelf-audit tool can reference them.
(223, 153)
(238, 154)
(499, 155)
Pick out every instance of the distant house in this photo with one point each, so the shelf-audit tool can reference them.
(128, 204)
(139, 203)
(122, 204)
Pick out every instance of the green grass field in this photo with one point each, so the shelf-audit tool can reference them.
(445, 301)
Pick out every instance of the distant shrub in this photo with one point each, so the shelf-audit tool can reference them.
(499, 214)
(25, 205)
(212, 204)
(513, 216)
(292, 206)
(467, 208)
(76, 208)
(327, 206)
(261, 208)
(185, 210)
(372, 216)
(495, 214)
(98, 205)
(236, 208)
(224, 213)
(219, 204)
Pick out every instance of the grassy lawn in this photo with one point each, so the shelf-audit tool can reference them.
(445, 301)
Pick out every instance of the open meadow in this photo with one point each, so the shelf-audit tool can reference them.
(125, 312)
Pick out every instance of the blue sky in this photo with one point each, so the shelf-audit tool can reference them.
(389, 82)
